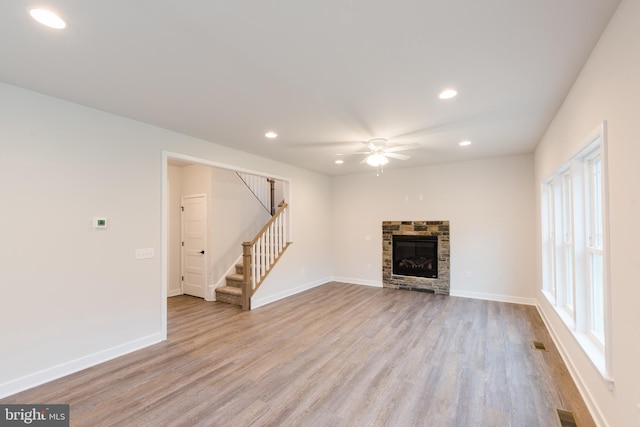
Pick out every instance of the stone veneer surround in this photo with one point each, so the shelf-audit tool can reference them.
(416, 228)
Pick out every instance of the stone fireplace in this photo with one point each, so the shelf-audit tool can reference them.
(415, 256)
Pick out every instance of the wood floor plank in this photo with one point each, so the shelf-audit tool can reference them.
(336, 355)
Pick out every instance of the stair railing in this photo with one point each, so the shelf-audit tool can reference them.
(262, 188)
(263, 252)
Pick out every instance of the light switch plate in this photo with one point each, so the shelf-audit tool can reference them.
(145, 253)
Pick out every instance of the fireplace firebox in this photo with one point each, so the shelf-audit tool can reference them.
(415, 256)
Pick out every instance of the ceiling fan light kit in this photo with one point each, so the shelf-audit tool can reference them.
(377, 159)
(379, 153)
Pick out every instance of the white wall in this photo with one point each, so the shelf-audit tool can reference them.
(73, 296)
(608, 88)
(489, 204)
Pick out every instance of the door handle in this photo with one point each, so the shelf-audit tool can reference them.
(202, 252)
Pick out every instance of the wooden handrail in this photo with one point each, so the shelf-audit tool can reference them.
(256, 266)
(281, 207)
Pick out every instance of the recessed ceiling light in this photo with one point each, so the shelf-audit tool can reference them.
(339, 162)
(271, 135)
(48, 18)
(448, 94)
(465, 143)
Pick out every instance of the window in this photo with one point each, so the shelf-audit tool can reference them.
(595, 248)
(574, 248)
(548, 241)
(566, 244)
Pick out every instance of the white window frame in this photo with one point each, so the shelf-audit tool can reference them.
(566, 243)
(548, 241)
(569, 244)
(595, 243)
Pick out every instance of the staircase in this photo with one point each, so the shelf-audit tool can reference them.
(263, 252)
(258, 258)
(232, 292)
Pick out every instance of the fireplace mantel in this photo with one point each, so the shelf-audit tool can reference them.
(439, 229)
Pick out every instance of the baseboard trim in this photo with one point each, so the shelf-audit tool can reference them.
(494, 297)
(174, 292)
(67, 368)
(594, 409)
(259, 302)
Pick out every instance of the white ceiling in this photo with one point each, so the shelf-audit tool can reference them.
(324, 74)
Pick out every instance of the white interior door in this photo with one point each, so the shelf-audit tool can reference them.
(194, 244)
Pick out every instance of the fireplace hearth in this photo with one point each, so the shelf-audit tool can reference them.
(415, 256)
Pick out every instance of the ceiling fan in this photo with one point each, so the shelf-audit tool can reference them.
(379, 152)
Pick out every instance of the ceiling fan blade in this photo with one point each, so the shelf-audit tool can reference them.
(370, 145)
(401, 148)
(397, 156)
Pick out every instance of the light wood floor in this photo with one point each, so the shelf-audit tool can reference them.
(336, 355)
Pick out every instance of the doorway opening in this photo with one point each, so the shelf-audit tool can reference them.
(230, 215)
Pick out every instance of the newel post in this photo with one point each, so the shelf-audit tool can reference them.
(246, 276)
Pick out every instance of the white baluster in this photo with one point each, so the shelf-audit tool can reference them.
(253, 267)
(264, 259)
(271, 245)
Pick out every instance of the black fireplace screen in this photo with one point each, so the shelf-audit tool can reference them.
(415, 256)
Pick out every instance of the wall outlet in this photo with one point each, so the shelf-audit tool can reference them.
(144, 253)
(367, 237)
(468, 274)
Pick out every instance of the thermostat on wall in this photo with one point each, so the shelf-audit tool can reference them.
(99, 222)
